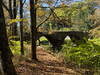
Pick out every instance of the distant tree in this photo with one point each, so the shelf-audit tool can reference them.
(14, 26)
(81, 11)
(5, 51)
(21, 27)
(13, 14)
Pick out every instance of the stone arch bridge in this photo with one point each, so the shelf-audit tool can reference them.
(57, 38)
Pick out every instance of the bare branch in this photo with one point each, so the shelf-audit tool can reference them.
(5, 7)
(24, 2)
(48, 16)
(44, 21)
(55, 14)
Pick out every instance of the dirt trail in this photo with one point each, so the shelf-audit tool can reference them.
(47, 65)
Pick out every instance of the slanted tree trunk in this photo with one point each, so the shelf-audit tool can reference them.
(6, 54)
(21, 28)
(33, 28)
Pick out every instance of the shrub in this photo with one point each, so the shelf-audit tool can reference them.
(15, 46)
(84, 55)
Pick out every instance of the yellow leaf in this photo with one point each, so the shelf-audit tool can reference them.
(40, 12)
(15, 20)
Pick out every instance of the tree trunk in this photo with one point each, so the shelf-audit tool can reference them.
(6, 54)
(13, 14)
(33, 28)
(21, 28)
(10, 14)
(14, 27)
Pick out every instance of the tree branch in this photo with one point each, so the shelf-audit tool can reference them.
(5, 7)
(55, 14)
(44, 21)
(48, 16)
(24, 2)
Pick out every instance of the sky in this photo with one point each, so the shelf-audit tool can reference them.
(58, 2)
(46, 5)
(77, 0)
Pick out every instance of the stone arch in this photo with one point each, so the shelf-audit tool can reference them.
(57, 38)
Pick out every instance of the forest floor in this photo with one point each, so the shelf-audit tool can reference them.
(48, 64)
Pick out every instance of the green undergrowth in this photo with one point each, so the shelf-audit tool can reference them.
(15, 46)
(85, 55)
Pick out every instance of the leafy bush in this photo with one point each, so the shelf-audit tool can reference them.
(15, 46)
(85, 55)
